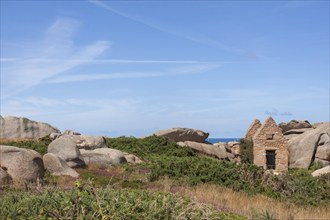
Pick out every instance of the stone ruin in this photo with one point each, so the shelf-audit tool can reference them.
(270, 147)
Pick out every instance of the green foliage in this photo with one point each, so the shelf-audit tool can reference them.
(40, 145)
(201, 169)
(88, 202)
(246, 151)
(315, 166)
(299, 187)
(265, 215)
(165, 158)
(149, 146)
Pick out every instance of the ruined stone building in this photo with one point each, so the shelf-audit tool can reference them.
(270, 148)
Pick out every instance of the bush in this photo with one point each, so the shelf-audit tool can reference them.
(87, 202)
(246, 151)
(40, 145)
(149, 146)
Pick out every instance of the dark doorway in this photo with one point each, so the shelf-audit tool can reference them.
(270, 159)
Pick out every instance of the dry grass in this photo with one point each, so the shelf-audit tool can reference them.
(225, 199)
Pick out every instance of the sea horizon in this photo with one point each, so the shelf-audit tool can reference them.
(225, 140)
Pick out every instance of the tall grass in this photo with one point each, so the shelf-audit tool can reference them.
(252, 206)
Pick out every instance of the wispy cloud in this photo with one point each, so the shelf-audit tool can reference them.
(100, 61)
(27, 70)
(7, 59)
(182, 70)
(201, 40)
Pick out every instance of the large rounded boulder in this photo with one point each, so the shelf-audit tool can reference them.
(22, 165)
(103, 156)
(294, 124)
(311, 144)
(218, 151)
(23, 128)
(65, 147)
(57, 166)
(183, 134)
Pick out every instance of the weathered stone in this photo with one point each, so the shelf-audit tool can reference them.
(130, 158)
(183, 134)
(234, 146)
(22, 165)
(57, 166)
(23, 128)
(218, 151)
(296, 131)
(323, 152)
(321, 171)
(269, 137)
(103, 156)
(65, 148)
(53, 136)
(294, 124)
(253, 129)
(303, 147)
(324, 139)
(89, 142)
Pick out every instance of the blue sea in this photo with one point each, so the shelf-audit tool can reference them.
(226, 140)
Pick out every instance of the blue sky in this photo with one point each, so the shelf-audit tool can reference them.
(135, 67)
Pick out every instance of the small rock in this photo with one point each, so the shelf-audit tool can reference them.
(321, 171)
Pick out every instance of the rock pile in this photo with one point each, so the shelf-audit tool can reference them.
(67, 151)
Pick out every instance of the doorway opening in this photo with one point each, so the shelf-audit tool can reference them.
(270, 159)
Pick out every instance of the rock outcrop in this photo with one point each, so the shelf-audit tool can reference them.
(312, 143)
(23, 128)
(65, 147)
(294, 124)
(183, 134)
(321, 171)
(218, 151)
(57, 166)
(22, 165)
(103, 156)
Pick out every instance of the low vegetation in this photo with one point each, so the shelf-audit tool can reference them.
(246, 151)
(39, 145)
(137, 191)
(165, 158)
(89, 202)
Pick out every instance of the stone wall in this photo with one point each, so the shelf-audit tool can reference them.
(269, 137)
(253, 129)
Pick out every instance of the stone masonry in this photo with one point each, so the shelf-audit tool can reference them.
(253, 129)
(269, 137)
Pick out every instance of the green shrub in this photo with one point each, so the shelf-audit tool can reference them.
(87, 202)
(246, 151)
(149, 146)
(165, 158)
(40, 145)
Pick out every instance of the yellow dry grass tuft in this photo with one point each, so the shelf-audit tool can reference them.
(225, 199)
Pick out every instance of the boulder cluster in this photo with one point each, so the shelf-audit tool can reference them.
(66, 151)
(196, 139)
(308, 144)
